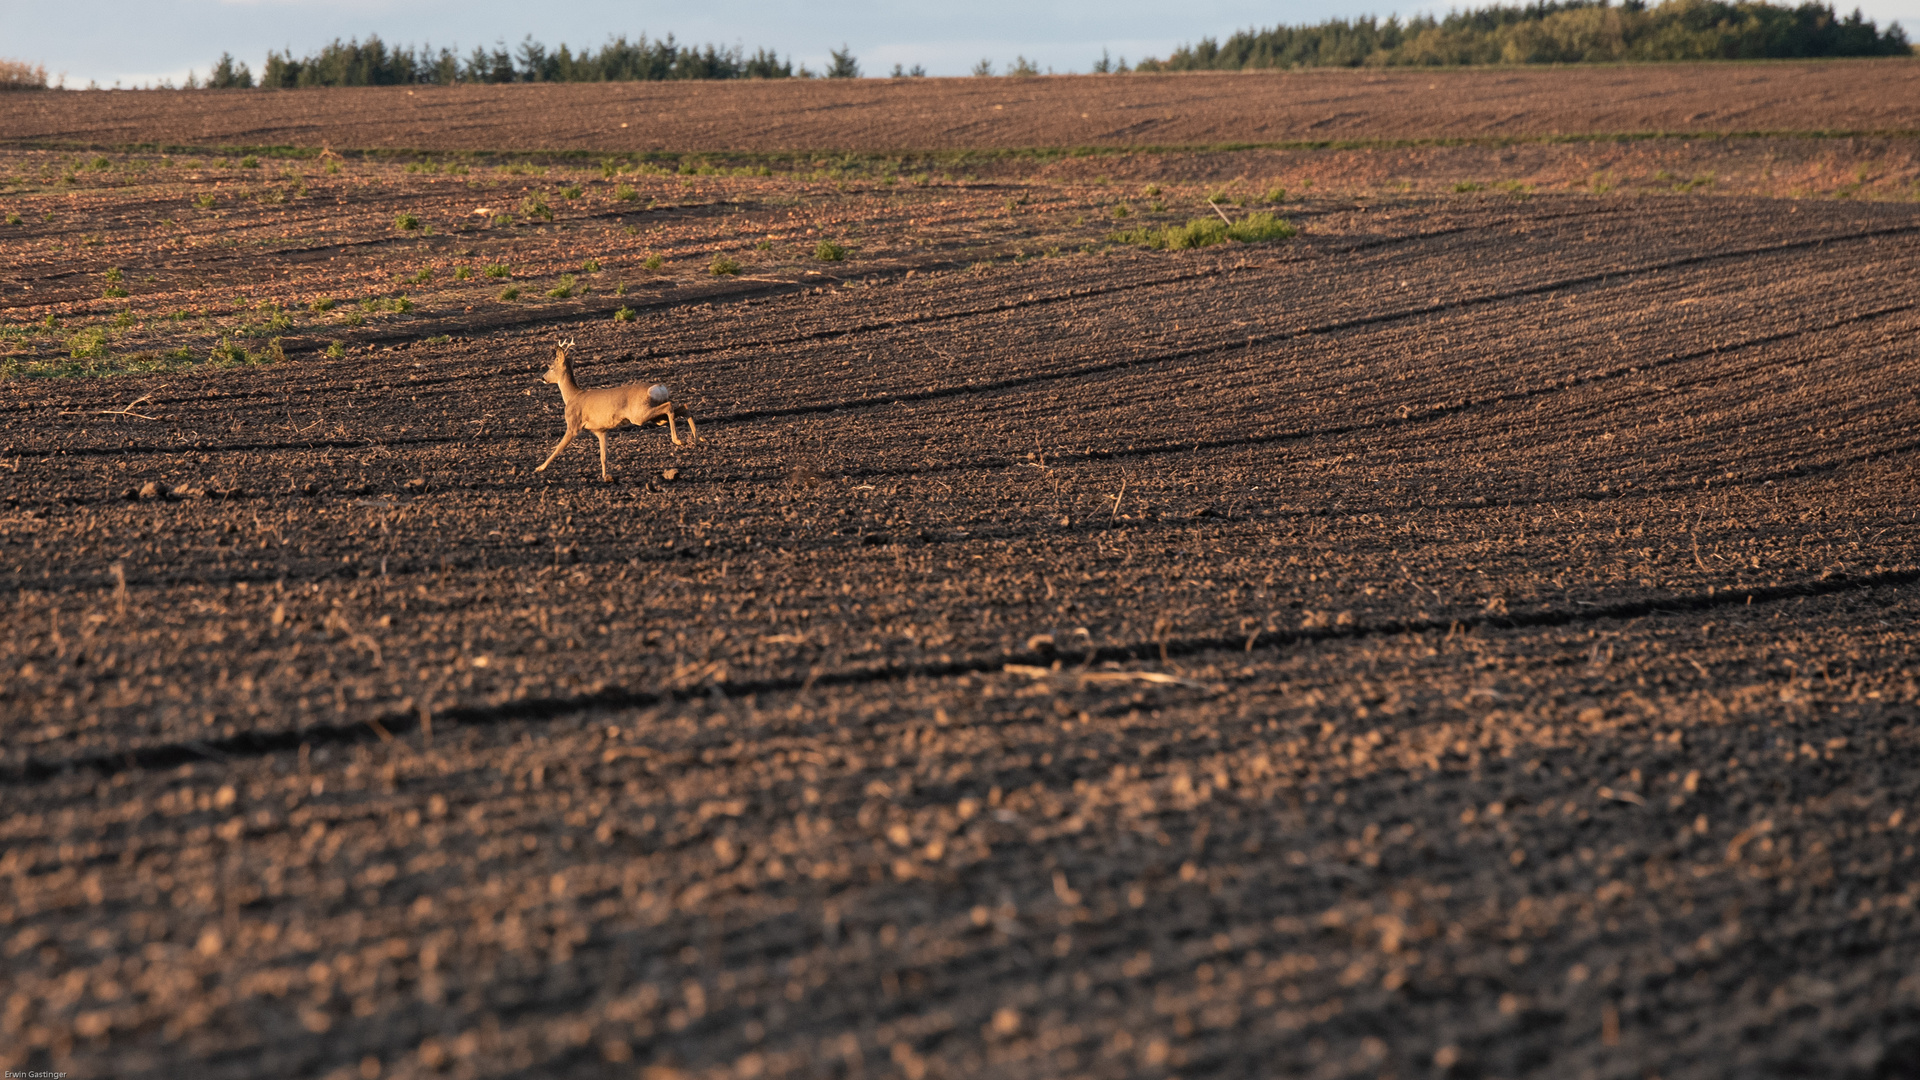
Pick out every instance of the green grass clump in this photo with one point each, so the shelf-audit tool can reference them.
(406, 222)
(654, 262)
(228, 353)
(828, 251)
(723, 266)
(591, 266)
(535, 205)
(113, 288)
(1275, 195)
(1201, 232)
(205, 200)
(334, 351)
(88, 344)
(624, 193)
(13, 218)
(625, 314)
(571, 191)
(1122, 211)
(425, 275)
(566, 287)
(321, 304)
(249, 162)
(1259, 227)
(464, 273)
(511, 292)
(1679, 183)
(498, 270)
(374, 305)
(1465, 186)
(102, 366)
(265, 320)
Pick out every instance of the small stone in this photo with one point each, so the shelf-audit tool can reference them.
(669, 474)
(153, 489)
(1005, 1021)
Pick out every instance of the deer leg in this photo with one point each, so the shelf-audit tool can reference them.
(564, 440)
(663, 415)
(602, 436)
(692, 432)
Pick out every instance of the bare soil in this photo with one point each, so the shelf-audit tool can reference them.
(1473, 638)
(144, 261)
(890, 116)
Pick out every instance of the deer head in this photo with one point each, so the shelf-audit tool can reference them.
(558, 369)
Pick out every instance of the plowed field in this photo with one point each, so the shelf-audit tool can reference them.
(895, 115)
(1475, 637)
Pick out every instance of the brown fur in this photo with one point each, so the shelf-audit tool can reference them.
(602, 410)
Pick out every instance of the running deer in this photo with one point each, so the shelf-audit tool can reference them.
(602, 410)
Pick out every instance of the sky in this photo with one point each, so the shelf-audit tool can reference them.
(139, 42)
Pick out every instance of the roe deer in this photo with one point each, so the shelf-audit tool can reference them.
(602, 410)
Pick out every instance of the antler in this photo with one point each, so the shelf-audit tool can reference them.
(567, 344)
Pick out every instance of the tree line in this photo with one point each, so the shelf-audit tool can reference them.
(1552, 32)
(373, 62)
(1546, 32)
